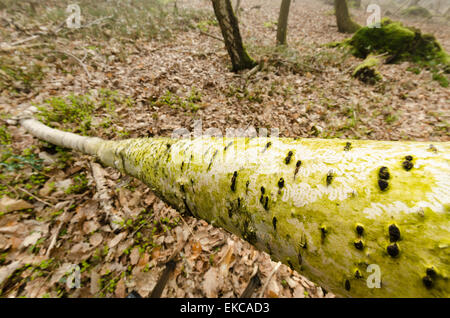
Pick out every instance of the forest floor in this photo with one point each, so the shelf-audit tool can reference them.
(115, 79)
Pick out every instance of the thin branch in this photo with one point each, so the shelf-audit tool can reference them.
(76, 59)
(25, 40)
(254, 282)
(35, 197)
(56, 234)
(211, 35)
(96, 21)
(275, 269)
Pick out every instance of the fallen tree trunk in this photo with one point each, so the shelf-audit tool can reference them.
(334, 210)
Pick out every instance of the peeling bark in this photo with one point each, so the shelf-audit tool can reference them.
(331, 209)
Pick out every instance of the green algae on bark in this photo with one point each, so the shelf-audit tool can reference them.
(333, 230)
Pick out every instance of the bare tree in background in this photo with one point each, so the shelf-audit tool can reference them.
(344, 21)
(237, 6)
(283, 22)
(231, 35)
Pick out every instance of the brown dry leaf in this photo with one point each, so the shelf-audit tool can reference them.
(134, 256)
(135, 199)
(123, 246)
(156, 252)
(299, 292)
(196, 249)
(6, 271)
(211, 282)
(116, 240)
(80, 251)
(90, 208)
(13, 228)
(4, 244)
(149, 199)
(273, 289)
(36, 288)
(8, 204)
(120, 289)
(60, 272)
(31, 239)
(96, 239)
(95, 282)
(270, 293)
(47, 188)
(146, 281)
(90, 226)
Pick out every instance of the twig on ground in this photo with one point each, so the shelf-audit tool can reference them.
(35, 197)
(162, 281)
(110, 282)
(275, 269)
(76, 59)
(252, 71)
(168, 270)
(97, 21)
(211, 35)
(103, 196)
(25, 40)
(254, 282)
(187, 225)
(56, 234)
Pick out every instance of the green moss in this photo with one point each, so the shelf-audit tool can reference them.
(5, 136)
(18, 76)
(367, 72)
(401, 43)
(12, 162)
(189, 103)
(72, 109)
(302, 207)
(80, 184)
(80, 109)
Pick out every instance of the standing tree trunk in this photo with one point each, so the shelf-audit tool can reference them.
(344, 21)
(237, 7)
(362, 218)
(231, 35)
(283, 22)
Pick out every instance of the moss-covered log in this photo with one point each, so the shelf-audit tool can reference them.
(331, 209)
(399, 41)
(402, 43)
(367, 71)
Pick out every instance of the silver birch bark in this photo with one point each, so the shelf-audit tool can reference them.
(334, 210)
